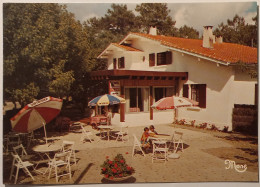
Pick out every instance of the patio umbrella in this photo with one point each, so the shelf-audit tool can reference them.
(173, 102)
(105, 100)
(36, 115)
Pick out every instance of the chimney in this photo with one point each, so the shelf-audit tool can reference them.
(219, 39)
(153, 31)
(208, 37)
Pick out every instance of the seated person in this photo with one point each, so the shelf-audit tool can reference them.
(152, 132)
(144, 139)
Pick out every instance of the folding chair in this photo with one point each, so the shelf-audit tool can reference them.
(123, 132)
(20, 150)
(68, 146)
(12, 140)
(176, 139)
(60, 160)
(137, 144)
(19, 164)
(85, 134)
(160, 150)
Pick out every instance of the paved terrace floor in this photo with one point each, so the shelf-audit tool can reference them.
(203, 158)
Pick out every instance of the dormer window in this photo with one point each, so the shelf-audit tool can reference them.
(121, 62)
(164, 58)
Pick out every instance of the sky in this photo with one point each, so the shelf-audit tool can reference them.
(196, 14)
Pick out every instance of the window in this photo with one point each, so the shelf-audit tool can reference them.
(198, 93)
(152, 59)
(164, 58)
(138, 99)
(121, 62)
(114, 63)
(163, 92)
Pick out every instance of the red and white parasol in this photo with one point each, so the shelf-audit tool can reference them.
(173, 102)
(36, 115)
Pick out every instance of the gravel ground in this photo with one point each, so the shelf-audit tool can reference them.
(202, 160)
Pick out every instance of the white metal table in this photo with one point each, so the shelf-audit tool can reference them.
(106, 128)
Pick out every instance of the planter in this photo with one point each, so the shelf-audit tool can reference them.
(117, 180)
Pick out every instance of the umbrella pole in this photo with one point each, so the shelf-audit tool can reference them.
(45, 132)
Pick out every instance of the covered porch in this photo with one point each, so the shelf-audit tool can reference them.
(140, 89)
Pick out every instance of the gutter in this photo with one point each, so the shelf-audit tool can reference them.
(199, 56)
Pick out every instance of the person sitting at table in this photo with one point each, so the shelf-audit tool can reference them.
(152, 132)
(144, 139)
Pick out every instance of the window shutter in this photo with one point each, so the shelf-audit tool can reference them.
(152, 59)
(168, 57)
(202, 95)
(114, 63)
(123, 62)
(186, 90)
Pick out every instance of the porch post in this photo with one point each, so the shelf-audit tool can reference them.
(151, 102)
(122, 106)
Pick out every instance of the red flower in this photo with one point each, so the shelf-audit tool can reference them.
(120, 174)
(110, 162)
(114, 170)
(106, 176)
(121, 161)
(126, 153)
(128, 168)
(107, 157)
(115, 165)
(104, 169)
(111, 177)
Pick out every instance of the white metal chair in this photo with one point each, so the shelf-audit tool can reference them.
(122, 133)
(68, 146)
(176, 139)
(85, 134)
(160, 150)
(60, 160)
(19, 164)
(138, 145)
(20, 150)
(12, 140)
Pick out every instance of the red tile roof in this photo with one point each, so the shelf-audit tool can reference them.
(127, 48)
(225, 52)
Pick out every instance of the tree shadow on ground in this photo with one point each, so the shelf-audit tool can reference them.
(81, 176)
(250, 151)
(252, 140)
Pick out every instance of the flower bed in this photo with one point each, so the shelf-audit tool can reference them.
(116, 169)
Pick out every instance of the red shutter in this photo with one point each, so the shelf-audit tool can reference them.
(185, 91)
(202, 95)
(114, 63)
(123, 62)
(152, 59)
(168, 57)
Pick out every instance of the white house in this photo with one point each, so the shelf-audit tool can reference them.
(143, 68)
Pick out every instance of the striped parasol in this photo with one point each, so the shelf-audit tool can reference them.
(36, 115)
(105, 100)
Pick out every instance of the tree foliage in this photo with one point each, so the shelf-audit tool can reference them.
(45, 51)
(156, 15)
(188, 32)
(237, 31)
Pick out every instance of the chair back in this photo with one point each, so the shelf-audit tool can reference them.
(67, 146)
(20, 150)
(17, 159)
(136, 141)
(83, 129)
(63, 157)
(178, 135)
